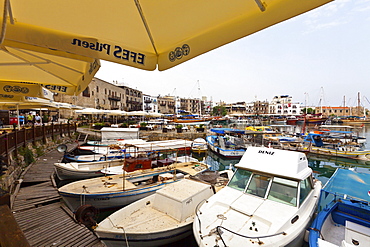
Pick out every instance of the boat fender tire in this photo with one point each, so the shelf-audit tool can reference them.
(87, 215)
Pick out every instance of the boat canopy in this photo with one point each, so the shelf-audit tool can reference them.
(336, 131)
(161, 145)
(109, 133)
(227, 130)
(349, 182)
(277, 162)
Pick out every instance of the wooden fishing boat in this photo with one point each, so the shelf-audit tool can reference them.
(120, 190)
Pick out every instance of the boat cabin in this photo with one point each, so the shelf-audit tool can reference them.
(278, 175)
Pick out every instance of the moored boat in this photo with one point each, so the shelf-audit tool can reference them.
(84, 170)
(159, 219)
(199, 145)
(332, 146)
(344, 211)
(228, 142)
(120, 190)
(269, 202)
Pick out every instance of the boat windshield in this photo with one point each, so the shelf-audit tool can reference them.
(276, 189)
(240, 179)
(258, 185)
(284, 191)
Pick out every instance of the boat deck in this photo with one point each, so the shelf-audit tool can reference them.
(156, 221)
(333, 233)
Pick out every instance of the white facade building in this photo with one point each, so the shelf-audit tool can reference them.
(150, 104)
(283, 105)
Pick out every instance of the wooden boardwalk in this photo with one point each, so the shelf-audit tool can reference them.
(39, 212)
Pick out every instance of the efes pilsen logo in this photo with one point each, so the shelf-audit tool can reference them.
(179, 52)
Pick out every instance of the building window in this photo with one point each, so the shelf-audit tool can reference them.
(97, 89)
(86, 92)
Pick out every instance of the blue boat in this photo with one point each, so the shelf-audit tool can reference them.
(227, 142)
(344, 211)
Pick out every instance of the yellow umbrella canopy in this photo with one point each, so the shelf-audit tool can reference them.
(58, 74)
(140, 33)
(9, 90)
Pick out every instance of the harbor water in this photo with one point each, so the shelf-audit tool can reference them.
(322, 166)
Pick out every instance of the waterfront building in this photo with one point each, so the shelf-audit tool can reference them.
(100, 94)
(340, 111)
(208, 106)
(166, 104)
(238, 108)
(284, 105)
(150, 104)
(192, 106)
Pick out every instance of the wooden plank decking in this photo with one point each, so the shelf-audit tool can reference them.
(40, 214)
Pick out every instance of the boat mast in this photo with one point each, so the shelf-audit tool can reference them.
(358, 104)
(200, 101)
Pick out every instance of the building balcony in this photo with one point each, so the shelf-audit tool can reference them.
(148, 101)
(115, 98)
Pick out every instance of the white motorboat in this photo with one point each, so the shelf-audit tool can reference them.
(159, 219)
(269, 201)
(199, 145)
(84, 170)
(120, 190)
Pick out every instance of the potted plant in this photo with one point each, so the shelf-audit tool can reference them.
(200, 128)
(98, 126)
(179, 128)
(143, 126)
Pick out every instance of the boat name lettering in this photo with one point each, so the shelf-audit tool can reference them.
(266, 152)
(101, 199)
(118, 51)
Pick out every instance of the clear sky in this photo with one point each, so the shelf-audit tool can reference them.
(322, 54)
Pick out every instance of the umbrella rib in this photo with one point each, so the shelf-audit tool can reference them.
(47, 61)
(260, 5)
(146, 25)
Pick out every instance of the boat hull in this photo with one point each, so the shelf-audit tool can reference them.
(361, 155)
(227, 153)
(65, 172)
(148, 239)
(109, 200)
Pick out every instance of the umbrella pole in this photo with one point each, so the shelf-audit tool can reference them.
(19, 123)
